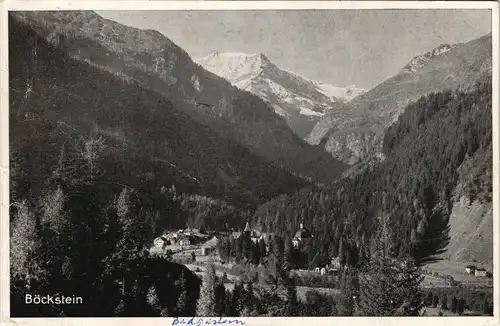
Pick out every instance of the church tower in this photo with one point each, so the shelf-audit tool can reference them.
(247, 230)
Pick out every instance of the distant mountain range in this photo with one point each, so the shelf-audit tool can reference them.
(353, 131)
(301, 101)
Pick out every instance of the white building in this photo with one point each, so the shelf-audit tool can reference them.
(184, 242)
(481, 272)
(335, 264)
(160, 242)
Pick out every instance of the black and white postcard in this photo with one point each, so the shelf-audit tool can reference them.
(204, 163)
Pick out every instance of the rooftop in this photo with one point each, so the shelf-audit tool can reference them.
(247, 228)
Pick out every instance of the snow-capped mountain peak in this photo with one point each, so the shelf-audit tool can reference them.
(300, 100)
(236, 67)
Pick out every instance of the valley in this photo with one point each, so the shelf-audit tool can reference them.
(225, 185)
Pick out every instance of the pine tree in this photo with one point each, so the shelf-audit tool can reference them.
(272, 264)
(349, 294)
(281, 291)
(453, 307)
(409, 285)
(131, 237)
(182, 301)
(227, 304)
(25, 247)
(54, 234)
(292, 301)
(206, 306)
(52, 207)
(15, 175)
(164, 312)
(341, 251)
(277, 250)
(377, 290)
(220, 297)
(249, 299)
(288, 262)
(120, 309)
(153, 300)
(428, 299)
(389, 287)
(444, 302)
(256, 254)
(262, 248)
(90, 150)
(236, 305)
(377, 294)
(236, 246)
(79, 163)
(460, 306)
(435, 301)
(316, 261)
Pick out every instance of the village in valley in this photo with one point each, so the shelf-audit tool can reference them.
(196, 248)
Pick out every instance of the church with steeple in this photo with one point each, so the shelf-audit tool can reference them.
(247, 231)
(303, 234)
(254, 235)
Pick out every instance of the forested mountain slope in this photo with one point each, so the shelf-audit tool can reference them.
(428, 153)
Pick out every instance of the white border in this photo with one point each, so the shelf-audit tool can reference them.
(240, 5)
(236, 5)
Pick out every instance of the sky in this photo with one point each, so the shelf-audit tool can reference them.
(340, 47)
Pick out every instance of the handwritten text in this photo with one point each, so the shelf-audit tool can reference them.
(206, 321)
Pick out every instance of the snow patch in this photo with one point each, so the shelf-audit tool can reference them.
(309, 112)
(279, 111)
(335, 92)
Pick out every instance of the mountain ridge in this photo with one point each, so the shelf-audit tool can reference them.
(422, 59)
(354, 131)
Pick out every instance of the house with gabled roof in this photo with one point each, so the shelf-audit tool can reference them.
(210, 246)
